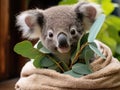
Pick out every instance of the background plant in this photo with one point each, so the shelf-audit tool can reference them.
(110, 31)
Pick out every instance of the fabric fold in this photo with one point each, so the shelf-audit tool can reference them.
(105, 76)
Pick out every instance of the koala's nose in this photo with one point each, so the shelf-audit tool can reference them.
(62, 40)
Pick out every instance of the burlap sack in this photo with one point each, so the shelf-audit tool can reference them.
(106, 76)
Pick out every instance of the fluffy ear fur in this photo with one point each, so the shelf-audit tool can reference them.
(89, 12)
(28, 22)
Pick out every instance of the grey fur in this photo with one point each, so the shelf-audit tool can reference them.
(70, 20)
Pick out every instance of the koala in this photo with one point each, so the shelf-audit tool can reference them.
(60, 27)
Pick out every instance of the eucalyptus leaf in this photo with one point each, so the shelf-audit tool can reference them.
(78, 44)
(96, 28)
(44, 50)
(73, 55)
(37, 61)
(19, 47)
(46, 62)
(65, 66)
(81, 42)
(39, 45)
(89, 54)
(82, 55)
(84, 39)
(76, 75)
(80, 68)
(26, 49)
(94, 48)
(55, 67)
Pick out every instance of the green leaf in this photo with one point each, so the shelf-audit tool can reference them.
(70, 72)
(84, 51)
(22, 45)
(84, 39)
(103, 31)
(73, 55)
(43, 62)
(55, 67)
(39, 45)
(93, 47)
(89, 54)
(78, 44)
(81, 41)
(107, 6)
(26, 49)
(80, 68)
(63, 2)
(44, 50)
(118, 49)
(110, 42)
(64, 65)
(113, 21)
(114, 36)
(46, 62)
(37, 61)
(96, 28)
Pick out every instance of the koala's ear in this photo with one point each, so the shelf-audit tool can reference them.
(89, 10)
(30, 23)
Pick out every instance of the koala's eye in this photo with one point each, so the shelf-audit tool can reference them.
(73, 31)
(50, 33)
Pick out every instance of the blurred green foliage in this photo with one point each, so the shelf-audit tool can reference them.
(110, 31)
(64, 2)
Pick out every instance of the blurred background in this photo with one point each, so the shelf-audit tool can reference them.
(11, 63)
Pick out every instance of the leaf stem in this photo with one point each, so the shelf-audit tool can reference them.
(66, 68)
(78, 54)
(56, 63)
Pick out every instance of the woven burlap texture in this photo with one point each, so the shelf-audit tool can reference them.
(106, 76)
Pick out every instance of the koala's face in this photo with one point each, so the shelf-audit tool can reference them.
(59, 28)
